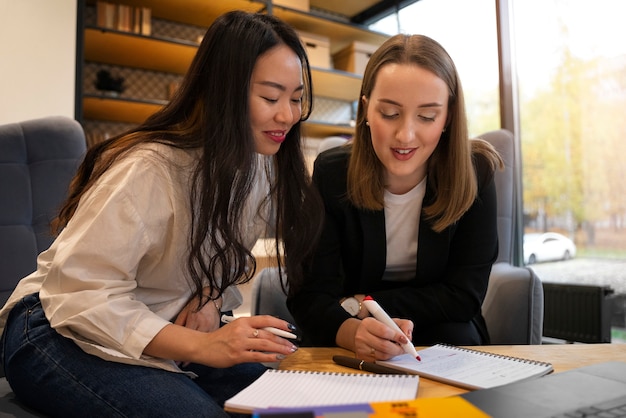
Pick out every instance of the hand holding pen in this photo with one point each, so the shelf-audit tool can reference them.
(377, 312)
(281, 333)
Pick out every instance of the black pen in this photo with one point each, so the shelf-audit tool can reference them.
(355, 363)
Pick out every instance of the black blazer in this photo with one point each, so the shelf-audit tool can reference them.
(452, 269)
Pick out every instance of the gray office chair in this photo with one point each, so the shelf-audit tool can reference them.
(38, 158)
(513, 306)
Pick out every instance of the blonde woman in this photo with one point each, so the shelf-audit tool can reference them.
(410, 213)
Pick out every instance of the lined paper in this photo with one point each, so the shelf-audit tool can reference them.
(468, 368)
(292, 388)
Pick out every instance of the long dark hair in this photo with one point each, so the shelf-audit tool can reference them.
(210, 112)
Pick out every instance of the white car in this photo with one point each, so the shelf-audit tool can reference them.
(548, 246)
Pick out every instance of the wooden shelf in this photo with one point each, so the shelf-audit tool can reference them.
(340, 33)
(138, 51)
(193, 12)
(317, 129)
(347, 8)
(336, 84)
(204, 12)
(120, 109)
(116, 109)
(174, 56)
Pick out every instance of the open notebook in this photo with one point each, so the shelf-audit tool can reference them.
(291, 388)
(470, 369)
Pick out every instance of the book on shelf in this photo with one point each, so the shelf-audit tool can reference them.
(146, 20)
(293, 389)
(106, 14)
(125, 18)
(468, 368)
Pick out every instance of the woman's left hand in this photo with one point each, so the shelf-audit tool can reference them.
(205, 319)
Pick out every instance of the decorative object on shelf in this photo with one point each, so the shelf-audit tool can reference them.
(354, 57)
(108, 84)
(317, 48)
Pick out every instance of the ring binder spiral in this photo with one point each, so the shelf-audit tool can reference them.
(297, 388)
(467, 368)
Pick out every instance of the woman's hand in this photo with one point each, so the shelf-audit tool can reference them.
(373, 340)
(205, 319)
(242, 341)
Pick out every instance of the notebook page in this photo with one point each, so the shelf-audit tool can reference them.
(289, 389)
(468, 368)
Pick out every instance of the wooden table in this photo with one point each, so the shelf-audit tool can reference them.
(562, 356)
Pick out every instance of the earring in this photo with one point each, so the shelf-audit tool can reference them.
(367, 123)
(444, 129)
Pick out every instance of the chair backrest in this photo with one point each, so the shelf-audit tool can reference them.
(38, 158)
(502, 141)
(268, 297)
(513, 305)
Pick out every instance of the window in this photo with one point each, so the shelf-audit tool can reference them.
(571, 69)
(471, 42)
(571, 64)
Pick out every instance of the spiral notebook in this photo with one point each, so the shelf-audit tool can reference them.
(292, 388)
(467, 368)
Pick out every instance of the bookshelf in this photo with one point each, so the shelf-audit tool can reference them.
(171, 55)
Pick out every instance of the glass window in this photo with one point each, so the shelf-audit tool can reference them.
(570, 58)
(571, 64)
(472, 44)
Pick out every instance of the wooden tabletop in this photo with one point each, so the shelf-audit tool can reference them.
(561, 356)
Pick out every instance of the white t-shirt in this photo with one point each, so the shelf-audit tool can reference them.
(402, 218)
(117, 273)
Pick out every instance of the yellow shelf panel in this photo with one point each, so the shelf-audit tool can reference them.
(115, 109)
(336, 84)
(193, 12)
(118, 109)
(131, 50)
(346, 8)
(339, 33)
(316, 129)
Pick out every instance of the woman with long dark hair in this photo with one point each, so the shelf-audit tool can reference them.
(122, 315)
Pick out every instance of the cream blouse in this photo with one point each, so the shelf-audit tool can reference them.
(116, 275)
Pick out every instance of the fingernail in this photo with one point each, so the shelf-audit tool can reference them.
(280, 356)
(294, 348)
(291, 326)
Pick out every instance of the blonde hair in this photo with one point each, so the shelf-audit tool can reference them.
(451, 174)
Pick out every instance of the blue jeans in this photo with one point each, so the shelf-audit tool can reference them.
(51, 374)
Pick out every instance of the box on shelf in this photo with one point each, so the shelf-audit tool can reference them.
(317, 48)
(354, 57)
(293, 4)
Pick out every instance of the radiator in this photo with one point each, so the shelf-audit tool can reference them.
(577, 313)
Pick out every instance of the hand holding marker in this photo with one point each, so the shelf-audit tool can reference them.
(377, 311)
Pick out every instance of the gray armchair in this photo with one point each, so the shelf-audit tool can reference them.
(38, 158)
(513, 306)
